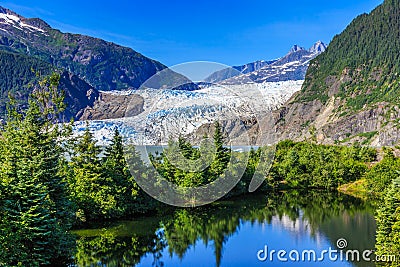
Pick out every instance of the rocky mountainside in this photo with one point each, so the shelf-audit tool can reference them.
(351, 92)
(292, 66)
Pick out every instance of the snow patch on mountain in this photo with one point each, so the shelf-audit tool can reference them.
(16, 22)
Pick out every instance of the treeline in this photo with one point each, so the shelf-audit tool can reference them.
(296, 165)
(16, 73)
(200, 166)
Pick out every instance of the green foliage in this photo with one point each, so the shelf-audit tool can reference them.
(103, 188)
(169, 162)
(296, 165)
(90, 188)
(381, 175)
(19, 77)
(307, 165)
(130, 200)
(222, 155)
(16, 74)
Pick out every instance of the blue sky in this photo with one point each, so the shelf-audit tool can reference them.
(231, 32)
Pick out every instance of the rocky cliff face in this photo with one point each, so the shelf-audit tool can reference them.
(108, 106)
(376, 126)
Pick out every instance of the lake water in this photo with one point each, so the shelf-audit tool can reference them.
(232, 232)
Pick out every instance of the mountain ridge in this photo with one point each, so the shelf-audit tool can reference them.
(247, 71)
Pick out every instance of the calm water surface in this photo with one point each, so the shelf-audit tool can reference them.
(230, 233)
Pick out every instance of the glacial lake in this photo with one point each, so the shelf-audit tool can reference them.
(236, 232)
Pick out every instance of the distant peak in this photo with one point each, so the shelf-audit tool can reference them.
(318, 47)
(296, 48)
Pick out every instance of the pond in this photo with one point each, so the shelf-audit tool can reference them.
(240, 232)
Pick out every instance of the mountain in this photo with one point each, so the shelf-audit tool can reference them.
(351, 92)
(227, 73)
(292, 66)
(318, 47)
(104, 65)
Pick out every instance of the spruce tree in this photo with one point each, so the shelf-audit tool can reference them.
(90, 188)
(114, 155)
(222, 154)
(116, 168)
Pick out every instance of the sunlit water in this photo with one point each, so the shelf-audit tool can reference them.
(231, 233)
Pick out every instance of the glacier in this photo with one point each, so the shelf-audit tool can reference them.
(171, 113)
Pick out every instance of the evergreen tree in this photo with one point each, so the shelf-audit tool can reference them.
(114, 155)
(222, 154)
(90, 188)
(140, 170)
(380, 176)
(116, 168)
